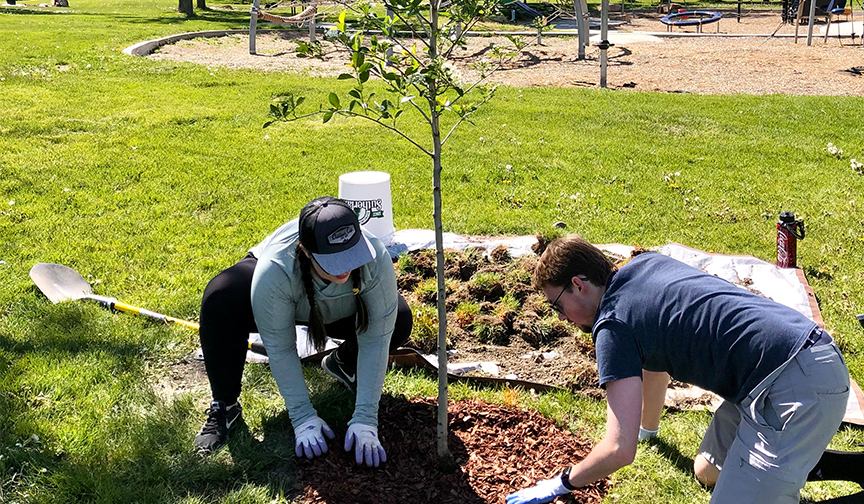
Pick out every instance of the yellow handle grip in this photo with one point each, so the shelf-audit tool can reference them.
(121, 306)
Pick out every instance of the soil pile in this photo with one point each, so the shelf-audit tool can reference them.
(497, 450)
(495, 315)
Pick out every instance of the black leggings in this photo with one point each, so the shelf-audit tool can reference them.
(840, 466)
(227, 320)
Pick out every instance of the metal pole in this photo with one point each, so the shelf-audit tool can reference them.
(253, 25)
(581, 7)
(312, 26)
(604, 41)
(810, 24)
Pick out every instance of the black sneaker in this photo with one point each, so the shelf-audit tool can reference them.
(220, 420)
(339, 370)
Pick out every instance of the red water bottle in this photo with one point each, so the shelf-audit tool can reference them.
(789, 231)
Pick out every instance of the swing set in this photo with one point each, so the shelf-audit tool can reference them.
(308, 16)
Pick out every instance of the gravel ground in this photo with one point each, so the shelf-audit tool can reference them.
(706, 64)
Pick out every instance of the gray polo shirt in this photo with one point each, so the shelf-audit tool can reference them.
(663, 315)
(279, 301)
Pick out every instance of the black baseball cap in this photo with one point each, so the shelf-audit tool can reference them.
(330, 231)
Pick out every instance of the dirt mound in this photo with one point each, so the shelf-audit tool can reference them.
(495, 315)
(498, 450)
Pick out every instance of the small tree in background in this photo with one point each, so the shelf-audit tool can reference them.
(423, 81)
(185, 6)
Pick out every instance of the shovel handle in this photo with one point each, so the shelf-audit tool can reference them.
(121, 306)
(112, 303)
(257, 348)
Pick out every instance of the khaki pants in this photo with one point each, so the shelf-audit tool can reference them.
(766, 446)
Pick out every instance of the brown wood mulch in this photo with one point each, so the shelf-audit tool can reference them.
(498, 449)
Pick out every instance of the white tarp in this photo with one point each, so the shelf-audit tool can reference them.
(779, 284)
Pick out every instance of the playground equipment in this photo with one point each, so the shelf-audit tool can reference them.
(604, 44)
(691, 18)
(307, 16)
(829, 11)
(517, 7)
(579, 13)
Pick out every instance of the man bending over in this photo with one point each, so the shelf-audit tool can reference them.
(783, 381)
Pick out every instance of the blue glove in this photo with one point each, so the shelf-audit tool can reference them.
(367, 446)
(309, 437)
(543, 491)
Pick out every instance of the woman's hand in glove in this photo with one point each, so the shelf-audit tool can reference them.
(367, 446)
(309, 437)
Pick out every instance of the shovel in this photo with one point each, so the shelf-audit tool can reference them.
(62, 283)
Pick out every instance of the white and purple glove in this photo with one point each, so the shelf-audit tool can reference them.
(543, 491)
(309, 438)
(367, 446)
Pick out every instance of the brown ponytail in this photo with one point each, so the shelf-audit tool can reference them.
(362, 311)
(316, 321)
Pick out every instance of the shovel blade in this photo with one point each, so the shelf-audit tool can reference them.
(59, 283)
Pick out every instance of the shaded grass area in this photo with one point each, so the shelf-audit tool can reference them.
(149, 177)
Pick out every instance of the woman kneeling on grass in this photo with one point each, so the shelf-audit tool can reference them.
(321, 270)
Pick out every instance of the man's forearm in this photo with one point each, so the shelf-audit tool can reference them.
(604, 459)
(618, 448)
(654, 386)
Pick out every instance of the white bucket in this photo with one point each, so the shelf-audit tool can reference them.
(368, 193)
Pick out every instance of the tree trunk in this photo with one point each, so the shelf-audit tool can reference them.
(201, 4)
(443, 449)
(185, 7)
(445, 459)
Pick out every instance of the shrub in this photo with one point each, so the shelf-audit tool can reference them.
(538, 331)
(506, 310)
(466, 312)
(427, 289)
(407, 281)
(424, 335)
(405, 264)
(519, 275)
(538, 304)
(490, 329)
(462, 265)
(500, 255)
(486, 286)
(424, 263)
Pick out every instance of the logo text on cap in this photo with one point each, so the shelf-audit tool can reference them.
(341, 235)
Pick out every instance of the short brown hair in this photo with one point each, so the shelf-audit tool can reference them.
(570, 257)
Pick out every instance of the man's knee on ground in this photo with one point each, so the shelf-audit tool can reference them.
(706, 472)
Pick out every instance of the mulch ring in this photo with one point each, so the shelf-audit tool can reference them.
(498, 450)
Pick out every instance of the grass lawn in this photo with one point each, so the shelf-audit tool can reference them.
(150, 177)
